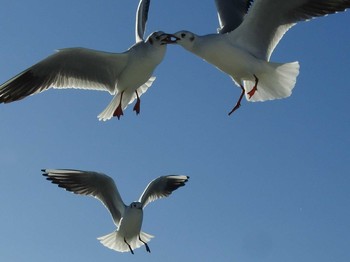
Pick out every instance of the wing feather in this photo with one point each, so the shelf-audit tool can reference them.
(161, 187)
(89, 183)
(231, 13)
(68, 68)
(268, 20)
(141, 19)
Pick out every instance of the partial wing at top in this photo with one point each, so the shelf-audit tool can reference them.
(68, 68)
(90, 183)
(268, 20)
(231, 13)
(141, 19)
(161, 187)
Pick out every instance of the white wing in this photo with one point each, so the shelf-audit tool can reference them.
(231, 13)
(90, 183)
(68, 68)
(141, 19)
(161, 187)
(268, 20)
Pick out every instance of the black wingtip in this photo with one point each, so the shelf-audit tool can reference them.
(45, 174)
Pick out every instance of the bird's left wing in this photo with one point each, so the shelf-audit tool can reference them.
(231, 13)
(141, 19)
(161, 187)
(89, 183)
(268, 20)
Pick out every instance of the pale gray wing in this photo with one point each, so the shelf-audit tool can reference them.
(141, 19)
(161, 187)
(268, 20)
(68, 68)
(90, 183)
(231, 13)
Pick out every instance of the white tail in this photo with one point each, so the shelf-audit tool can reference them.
(128, 98)
(116, 242)
(277, 81)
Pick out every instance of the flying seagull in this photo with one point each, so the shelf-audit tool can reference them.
(125, 75)
(128, 219)
(249, 32)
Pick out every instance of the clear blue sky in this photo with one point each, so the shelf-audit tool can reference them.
(270, 183)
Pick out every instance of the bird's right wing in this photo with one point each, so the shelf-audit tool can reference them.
(141, 19)
(231, 13)
(68, 68)
(89, 183)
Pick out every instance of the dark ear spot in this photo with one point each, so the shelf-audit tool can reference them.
(192, 38)
(151, 41)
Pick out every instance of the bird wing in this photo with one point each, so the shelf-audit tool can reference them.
(90, 183)
(231, 13)
(68, 68)
(268, 20)
(141, 19)
(161, 187)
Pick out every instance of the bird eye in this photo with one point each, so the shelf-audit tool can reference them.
(183, 35)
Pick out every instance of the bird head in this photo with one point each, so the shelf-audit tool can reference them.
(136, 205)
(159, 38)
(183, 38)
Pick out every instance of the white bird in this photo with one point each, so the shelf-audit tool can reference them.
(249, 32)
(128, 219)
(125, 75)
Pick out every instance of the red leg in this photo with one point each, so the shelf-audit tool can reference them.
(238, 104)
(137, 105)
(252, 92)
(119, 111)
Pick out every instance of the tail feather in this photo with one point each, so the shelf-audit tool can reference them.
(277, 81)
(128, 98)
(116, 242)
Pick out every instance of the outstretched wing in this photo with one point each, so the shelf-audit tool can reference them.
(89, 183)
(231, 13)
(268, 20)
(68, 68)
(141, 19)
(161, 187)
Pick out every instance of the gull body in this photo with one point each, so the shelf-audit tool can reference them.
(125, 75)
(249, 31)
(128, 219)
(232, 60)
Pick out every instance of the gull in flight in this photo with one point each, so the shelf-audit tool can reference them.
(125, 75)
(128, 219)
(249, 32)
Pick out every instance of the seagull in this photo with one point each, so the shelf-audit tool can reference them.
(249, 32)
(128, 219)
(125, 75)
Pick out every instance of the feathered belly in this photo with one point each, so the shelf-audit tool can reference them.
(235, 62)
(130, 225)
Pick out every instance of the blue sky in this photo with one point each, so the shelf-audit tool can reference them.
(269, 183)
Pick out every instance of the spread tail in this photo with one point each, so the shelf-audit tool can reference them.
(116, 242)
(276, 81)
